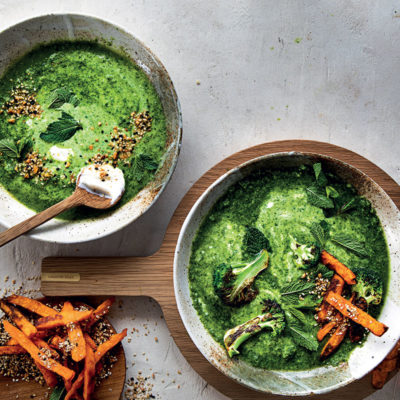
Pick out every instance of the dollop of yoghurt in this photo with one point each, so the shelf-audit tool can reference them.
(60, 154)
(102, 180)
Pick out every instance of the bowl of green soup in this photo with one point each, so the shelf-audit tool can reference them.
(78, 91)
(260, 257)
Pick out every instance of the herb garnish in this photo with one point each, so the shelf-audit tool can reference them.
(61, 130)
(319, 175)
(320, 231)
(296, 321)
(299, 335)
(349, 205)
(61, 96)
(58, 393)
(15, 149)
(141, 163)
(321, 234)
(322, 195)
(350, 243)
(317, 197)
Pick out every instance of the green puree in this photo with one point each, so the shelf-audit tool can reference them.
(109, 87)
(276, 203)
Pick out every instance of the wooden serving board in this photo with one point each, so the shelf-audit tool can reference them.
(153, 276)
(109, 389)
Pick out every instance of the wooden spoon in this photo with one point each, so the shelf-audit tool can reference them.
(80, 197)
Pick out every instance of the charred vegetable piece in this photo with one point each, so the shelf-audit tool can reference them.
(254, 241)
(305, 255)
(234, 283)
(272, 319)
(369, 286)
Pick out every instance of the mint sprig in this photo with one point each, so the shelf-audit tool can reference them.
(61, 96)
(61, 130)
(15, 149)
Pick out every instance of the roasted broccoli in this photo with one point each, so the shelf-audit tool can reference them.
(273, 318)
(254, 241)
(234, 283)
(369, 286)
(305, 255)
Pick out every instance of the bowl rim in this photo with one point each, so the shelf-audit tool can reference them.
(177, 269)
(62, 239)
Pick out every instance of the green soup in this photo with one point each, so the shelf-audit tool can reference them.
(116, 115)
(276, 203)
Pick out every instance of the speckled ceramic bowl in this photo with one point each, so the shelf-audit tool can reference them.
(18, 40)
(320, 380)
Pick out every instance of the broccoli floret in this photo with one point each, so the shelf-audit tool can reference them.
(234, 283)
(305, 255)
(369, 286)
(273, 319)
(254, 241)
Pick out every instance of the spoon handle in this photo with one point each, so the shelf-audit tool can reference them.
(25, 226)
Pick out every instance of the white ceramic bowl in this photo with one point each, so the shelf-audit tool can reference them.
(319, 380)
(21, 38)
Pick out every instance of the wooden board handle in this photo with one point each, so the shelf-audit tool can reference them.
(108, 276)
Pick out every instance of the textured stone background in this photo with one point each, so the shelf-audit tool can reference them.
(268, 70)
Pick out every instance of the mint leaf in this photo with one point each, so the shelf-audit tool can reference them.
(350, 205)
(14, 149)
(331, 192)
(299, 335)
(141, 163)
(320, 231)
(61, 130)
(350, 244)
(297, 314)
(148, 162)
(316, 197)
(297, 288)
(9, 148)
(58, 393)
(61, 96)
(319, 175)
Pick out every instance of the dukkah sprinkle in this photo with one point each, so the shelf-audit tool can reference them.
(22, 102)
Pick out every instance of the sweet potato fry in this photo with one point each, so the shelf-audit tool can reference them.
(41, 344)
(325, 330)
(32, 305)
(75, 335)
(337, 337)
(90, 341)
(357, 315)
(335, 265)
(35, 353)
(100, 311)
(71, 394)
(99, 354)
(62, 319)
(109, 344)
(7, 350)
(19, 319)
(89, 373)
(334, 341)
(336, 285)
(49, 377)
(389, 364)
(57, 343)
